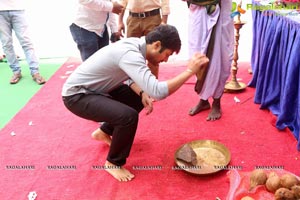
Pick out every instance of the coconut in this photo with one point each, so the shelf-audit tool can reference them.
(284, 194)
(296, 191)
(257, 177)
(247, 198)
(288, 181)
(273, 182)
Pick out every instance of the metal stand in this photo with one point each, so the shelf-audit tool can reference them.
(233, 84)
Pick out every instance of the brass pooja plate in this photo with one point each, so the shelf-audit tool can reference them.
(212, 157)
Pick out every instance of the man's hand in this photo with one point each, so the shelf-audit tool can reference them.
(197, 61)
(121, 29)
(115, 37)
(117, 8)
(147, 102)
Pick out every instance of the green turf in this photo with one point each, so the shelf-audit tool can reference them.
(14, 97)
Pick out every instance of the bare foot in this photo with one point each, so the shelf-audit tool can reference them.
(202, 105)
(118, 172)
(215, 113)
(98, 134)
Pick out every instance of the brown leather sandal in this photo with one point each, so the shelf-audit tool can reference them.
(15, 78)
(38, 79)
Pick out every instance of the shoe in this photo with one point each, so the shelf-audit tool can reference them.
(15, 78)
(38, 79)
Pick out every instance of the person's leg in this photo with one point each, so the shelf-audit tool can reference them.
(87, 42)
(149, 23)
(7, 45)
(202, 105)
(126, 96)
(200, 29)
(121, 117)
(105, 131)
(104, 40)
(100, 135)
(20, 26)
(215, 112)
(224, 59)
(2, 56)
(134, 27)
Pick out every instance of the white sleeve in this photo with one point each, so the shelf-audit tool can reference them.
(98, 5)
(140, 74)
(112, 22)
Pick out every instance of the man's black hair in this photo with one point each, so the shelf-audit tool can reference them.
(167, 35)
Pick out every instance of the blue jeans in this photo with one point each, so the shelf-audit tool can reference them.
(88, 42)
(16, 20)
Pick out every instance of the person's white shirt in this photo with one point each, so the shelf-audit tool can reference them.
(12, 5)
(92, 15)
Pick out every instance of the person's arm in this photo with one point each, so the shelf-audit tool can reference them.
(146, 99)
(195, 63)
(140, 73)
(113, 25)
(121, 26)
(117, 8)
(100, 5)
(165, 11)
(164, 19)
(112, 22)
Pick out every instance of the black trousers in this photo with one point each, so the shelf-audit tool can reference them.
(119, 112)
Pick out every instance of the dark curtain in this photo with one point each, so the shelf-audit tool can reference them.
(276, 68)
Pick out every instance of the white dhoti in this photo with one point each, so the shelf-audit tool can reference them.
(200, 29)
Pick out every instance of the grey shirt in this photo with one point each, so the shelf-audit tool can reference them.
(111, 66)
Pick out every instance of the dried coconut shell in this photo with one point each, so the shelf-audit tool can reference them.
(187, 154)
(273, 182)
(288, 181)
(284, 194)
(257, 177)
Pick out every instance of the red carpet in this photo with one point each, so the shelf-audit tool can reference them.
(66, 163)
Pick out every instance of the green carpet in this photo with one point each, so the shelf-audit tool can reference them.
(14, 97)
